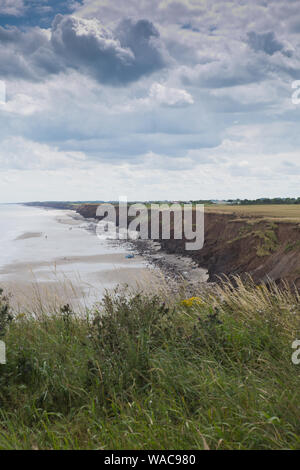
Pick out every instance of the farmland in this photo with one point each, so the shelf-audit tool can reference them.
(284, 212)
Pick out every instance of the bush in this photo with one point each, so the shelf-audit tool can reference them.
(139, 374)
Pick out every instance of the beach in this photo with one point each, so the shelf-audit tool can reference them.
(55, 255)
(52, 257)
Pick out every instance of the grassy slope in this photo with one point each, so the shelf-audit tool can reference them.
(143, 375)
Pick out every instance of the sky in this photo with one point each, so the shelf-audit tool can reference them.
(149, 99)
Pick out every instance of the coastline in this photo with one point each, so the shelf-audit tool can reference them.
(175, 268)
(62, 262)
(263, 245)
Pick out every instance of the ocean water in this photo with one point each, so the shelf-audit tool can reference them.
(47, 245)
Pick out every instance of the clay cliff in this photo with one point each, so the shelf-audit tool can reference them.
(265, 249)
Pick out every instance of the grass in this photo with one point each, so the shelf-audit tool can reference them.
(268, 242)
(142, 373)
(266, 235)
(292, 246)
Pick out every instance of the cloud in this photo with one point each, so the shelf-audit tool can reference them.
(143, 39)
(17, 53)
(11, 7)
(151, 93)
(265, 42)
(116, 57)
(162, 95)
(224, 70)
(23, 154)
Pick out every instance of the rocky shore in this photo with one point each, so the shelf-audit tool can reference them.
(176, 268)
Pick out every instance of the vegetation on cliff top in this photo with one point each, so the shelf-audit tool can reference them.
(140, 372)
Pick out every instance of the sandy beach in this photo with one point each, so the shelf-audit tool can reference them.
(65, 261)
(58, 259)
(63, 281)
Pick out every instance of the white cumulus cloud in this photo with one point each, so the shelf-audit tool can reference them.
(166, 96)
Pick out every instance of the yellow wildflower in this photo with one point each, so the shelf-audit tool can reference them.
(192, 301)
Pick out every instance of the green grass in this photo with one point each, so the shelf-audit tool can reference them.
(268, 242)
(139, 373)
(292, 246)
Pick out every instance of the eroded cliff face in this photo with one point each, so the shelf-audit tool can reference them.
(87, 210)
(234, 246)
(265, 249)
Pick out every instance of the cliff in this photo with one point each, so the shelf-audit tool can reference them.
(235, 245)
(264, 249)
(52, 205)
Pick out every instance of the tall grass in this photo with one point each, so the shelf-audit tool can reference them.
(138, 372)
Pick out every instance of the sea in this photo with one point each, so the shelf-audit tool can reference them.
(50, 247)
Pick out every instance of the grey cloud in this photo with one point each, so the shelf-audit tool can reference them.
(13, 65)
(24, 42)
(142, 38)
(17, 52)
(46, 61)
(9, 35)
(225, 72)
(265, 42)
(114, 57)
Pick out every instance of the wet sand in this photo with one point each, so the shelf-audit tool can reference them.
(27, 235)
(30, 283)
(116, 260)
(32, 295)
(67, 263)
